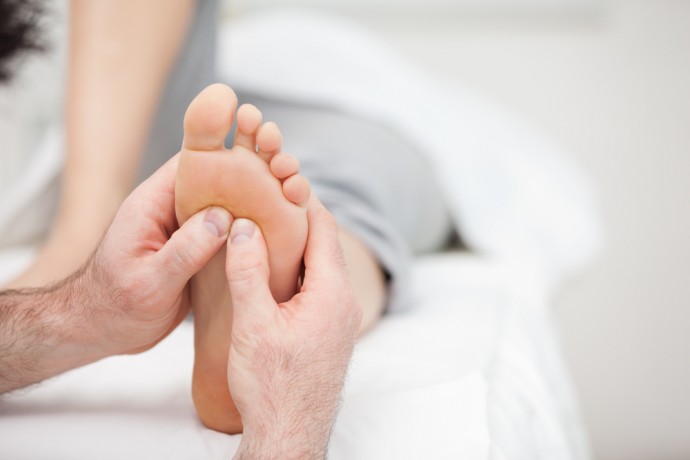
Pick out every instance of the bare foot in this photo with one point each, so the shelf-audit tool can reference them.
(254, 180)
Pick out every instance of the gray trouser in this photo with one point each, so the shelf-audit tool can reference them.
(376, 185)
(193, 71)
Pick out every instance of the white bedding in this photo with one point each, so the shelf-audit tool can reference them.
(470, 372)
(511, 192)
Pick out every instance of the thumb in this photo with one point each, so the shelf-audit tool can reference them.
(247, 271)
(193, 244)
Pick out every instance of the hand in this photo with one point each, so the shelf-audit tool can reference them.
(130, 294)
(287, 362)
(139, 272)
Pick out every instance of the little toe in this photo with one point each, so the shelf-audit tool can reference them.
(284, 165)
(209, 118)
(248, 122)
(296, 189)
(269, 140)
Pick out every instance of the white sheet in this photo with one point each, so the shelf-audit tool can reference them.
(464, 374)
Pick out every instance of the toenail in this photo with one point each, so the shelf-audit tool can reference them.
(217, 221)
(242, 230)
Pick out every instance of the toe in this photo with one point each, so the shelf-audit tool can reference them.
(269, 140)
(284, 165)
(248, 122)
(209, 118)
(296, 189)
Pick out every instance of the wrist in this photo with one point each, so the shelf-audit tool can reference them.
(283, 434)
(74, 340)
(298, 445)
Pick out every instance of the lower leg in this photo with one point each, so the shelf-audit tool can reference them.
(367, 278)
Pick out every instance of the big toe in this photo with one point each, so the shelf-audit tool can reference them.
(209, 118)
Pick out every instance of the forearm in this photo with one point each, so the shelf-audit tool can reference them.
(280, 426)
(120, 55)
(277, 442)
(42, 333)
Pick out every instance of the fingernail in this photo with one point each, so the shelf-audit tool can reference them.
(217, 221)
(242, 230)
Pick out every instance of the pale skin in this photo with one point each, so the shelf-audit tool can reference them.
(105, 90)
(256, 180)
(101, 95)
(291, 352)
(100, 311)
(115, 80)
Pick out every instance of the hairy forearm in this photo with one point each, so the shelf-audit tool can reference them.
(42, 333)
(282, 426)
(280, 442)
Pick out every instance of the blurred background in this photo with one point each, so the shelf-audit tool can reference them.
(610, 82)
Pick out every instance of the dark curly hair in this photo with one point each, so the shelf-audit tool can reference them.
(19, 33)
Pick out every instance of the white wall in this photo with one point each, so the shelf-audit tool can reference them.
(612, 84)
(614, 88)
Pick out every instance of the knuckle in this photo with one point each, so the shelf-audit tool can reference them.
(184, 255)
(245, 266)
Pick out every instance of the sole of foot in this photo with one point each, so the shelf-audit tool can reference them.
(254, 180)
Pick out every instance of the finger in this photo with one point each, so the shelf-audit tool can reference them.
(323, 254)
(247, 271)
(326, 273)
(156, 196)
(160, 186)
(193, 244)
(164, 177)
